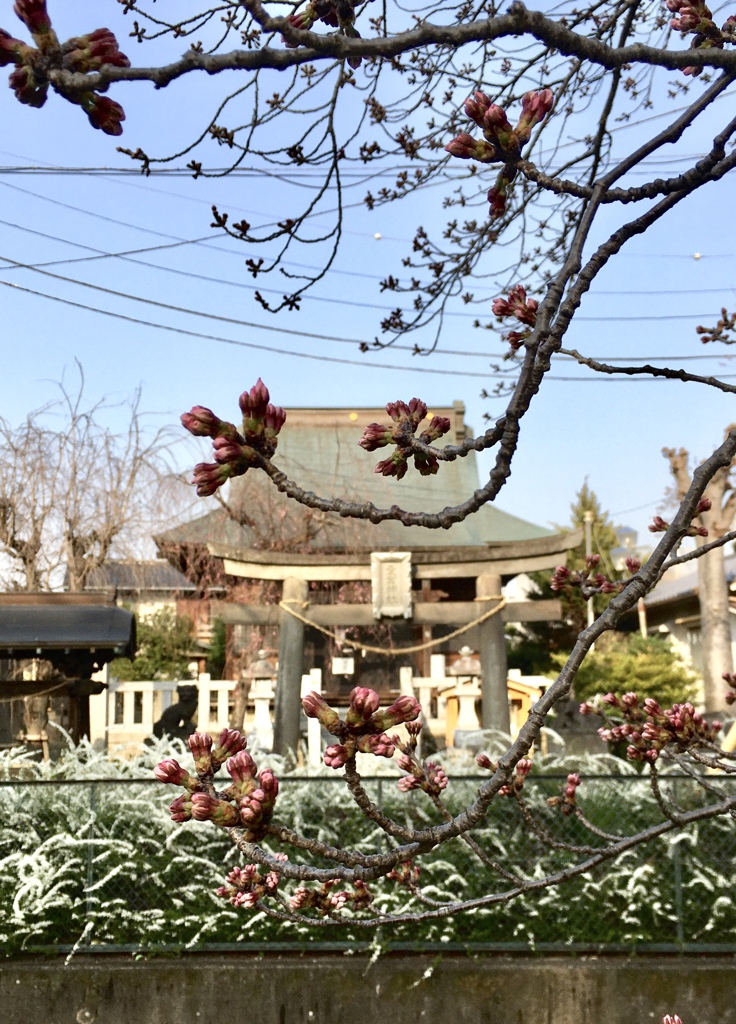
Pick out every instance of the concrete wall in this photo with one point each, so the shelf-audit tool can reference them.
(334, 989)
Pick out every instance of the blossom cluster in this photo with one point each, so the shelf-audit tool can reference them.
(500, 143)
(660, 525)
(521, 770)
(327, 901)
(647, 728)
(81, 54)
(248, 801)
(246, 886)
(235, 451)
(424, 775)
(567, 800)
(407, 419)
(523, 309)
(364, 727)
(591, 582)
(695, 16)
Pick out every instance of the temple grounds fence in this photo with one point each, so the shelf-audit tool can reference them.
(97, 865)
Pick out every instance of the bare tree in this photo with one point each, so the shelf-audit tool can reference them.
(73, 491)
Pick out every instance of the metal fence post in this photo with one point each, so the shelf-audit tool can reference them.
(90, 858)
(677, 866)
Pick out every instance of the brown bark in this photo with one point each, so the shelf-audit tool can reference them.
(715, 617)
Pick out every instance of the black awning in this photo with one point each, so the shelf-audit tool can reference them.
(42, 630)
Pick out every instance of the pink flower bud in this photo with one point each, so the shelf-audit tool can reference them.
(254, 403)
(315, 707)
(484, 761)
(12, 51)
(201, 422)
(403, 709)
(172, 772)
(241, 767)
(396, 465)
(630, 700)
(229, 743)
(273, 421)
(27, 88)
(438, 426)
(336, 755)
(633, 565)
(34, 16)
(524, 766)
(363, 703)
(103, 113)
(208, 476)
(658, 525)
(476, 107)
(375, 435)
(379, 745)
(651, 706)
(407, 783)
(181, 808)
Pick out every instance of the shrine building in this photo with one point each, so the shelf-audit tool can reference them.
(347, 602)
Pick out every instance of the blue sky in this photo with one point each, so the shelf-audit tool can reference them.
(646, 303)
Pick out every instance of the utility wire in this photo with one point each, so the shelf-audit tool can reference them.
(364, 364)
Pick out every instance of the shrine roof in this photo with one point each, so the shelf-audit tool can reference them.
(318, 449)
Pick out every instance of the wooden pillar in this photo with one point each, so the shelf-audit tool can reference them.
(291, 666)
(494, 670)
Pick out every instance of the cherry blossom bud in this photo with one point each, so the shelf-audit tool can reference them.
(363, 704)
(704, 505)
(633, 565)
(181, 808)
(651, 706)
(273, 421)
(12, 51)
(241, 767)
(208, 476)
(219, 812)
(630, 700)
(484, 761)
(315, 707)
(524, 766)
(229, 743)
(172, 772)
(403, 709)
(673, 1019)
(585, 709)
(407, 782)
(254, 403)
(658, 525)
(497, 198)
(200, 744)
(438, 426)
(375, 435)
(35, 17)
(27, 88)
(103, 113)
(466, 147)
(269, 787)
(200, 421)
(336, 755)
(610, 698)
(476, 107)
(380, 745)
(396, 465)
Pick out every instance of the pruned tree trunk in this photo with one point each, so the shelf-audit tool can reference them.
(715, 616)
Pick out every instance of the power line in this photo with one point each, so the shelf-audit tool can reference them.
(309, 355)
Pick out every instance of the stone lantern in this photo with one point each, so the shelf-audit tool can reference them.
(461, 715)
(262, 676)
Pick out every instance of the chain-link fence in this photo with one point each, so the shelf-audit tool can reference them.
(100, 865)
